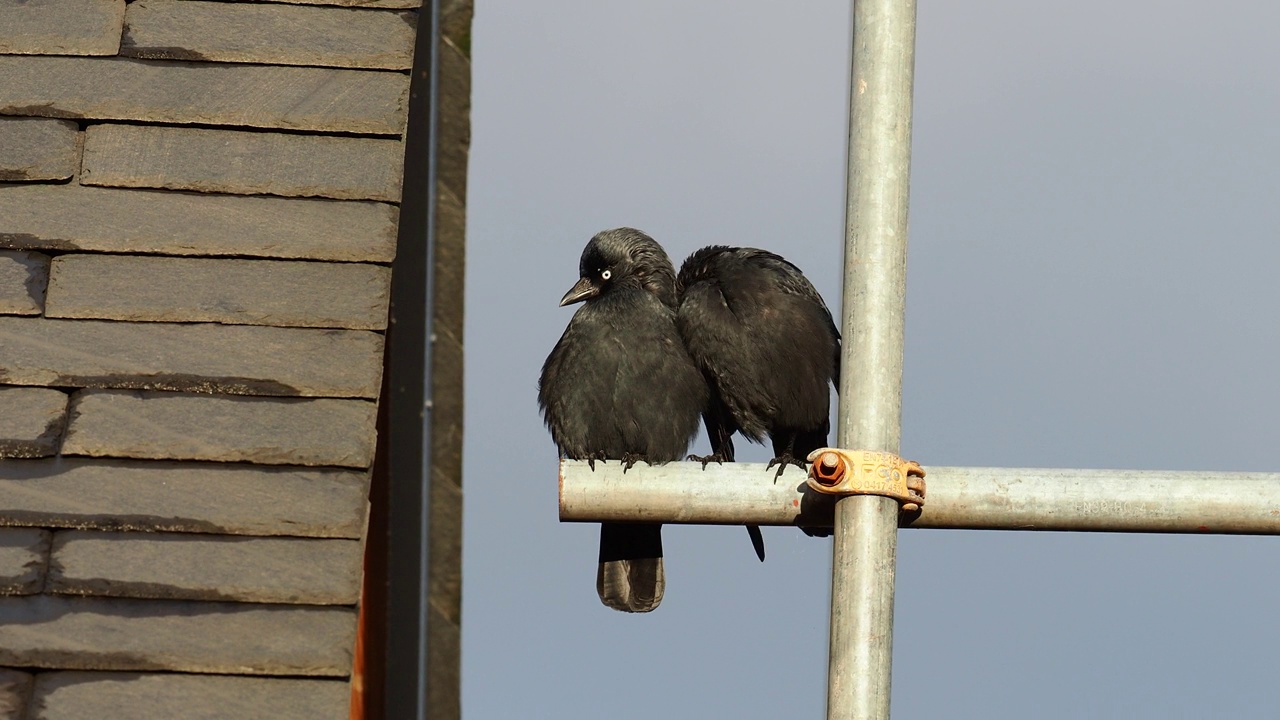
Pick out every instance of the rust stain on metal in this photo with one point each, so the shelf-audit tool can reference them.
(560, 490)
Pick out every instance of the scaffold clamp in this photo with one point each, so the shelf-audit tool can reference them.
(866, 472)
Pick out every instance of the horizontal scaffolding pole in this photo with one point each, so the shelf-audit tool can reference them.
(957, 498)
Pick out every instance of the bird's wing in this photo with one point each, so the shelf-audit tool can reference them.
(791, 280)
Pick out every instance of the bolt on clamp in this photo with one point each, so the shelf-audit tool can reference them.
(866, 472)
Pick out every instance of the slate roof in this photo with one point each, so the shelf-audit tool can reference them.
(198, 208)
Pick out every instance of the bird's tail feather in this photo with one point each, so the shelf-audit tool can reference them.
(630, 576)
(720, 429)
(757, 540)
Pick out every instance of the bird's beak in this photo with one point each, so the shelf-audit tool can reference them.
(583, 290)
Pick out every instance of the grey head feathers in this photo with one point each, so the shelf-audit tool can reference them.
(626, 257)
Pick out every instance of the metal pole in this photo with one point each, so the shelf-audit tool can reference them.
(865, 553)
(978, 498)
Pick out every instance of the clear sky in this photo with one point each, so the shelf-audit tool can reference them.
(1094, 244)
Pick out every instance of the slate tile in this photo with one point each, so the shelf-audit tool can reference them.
(268, 33)
(31, 421)
(37, 148)
(55, 631)
(455, 22)
(74, 695)
(444, 581)
(268, 96)
(24, 276)
(15, 691)
(444, 671)
(447, 357)
(454, 129)
(252, 292)
(61, 27)
(76, 217)
(183, 497)
(385, 4)
(24, 559)
(180, 426)
(206, 567)
(245, 163)
(235, 359)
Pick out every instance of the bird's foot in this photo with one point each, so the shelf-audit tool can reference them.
(591, 459)
(630, 459)
(717, 458)
(782, 461)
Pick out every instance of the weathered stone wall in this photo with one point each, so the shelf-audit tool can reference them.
(198, 207)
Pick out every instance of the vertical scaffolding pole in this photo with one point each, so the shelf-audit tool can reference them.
(866, 527)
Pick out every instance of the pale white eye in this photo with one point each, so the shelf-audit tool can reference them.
(606, 274)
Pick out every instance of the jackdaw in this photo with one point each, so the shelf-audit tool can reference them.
(619, 385)
(767, 345)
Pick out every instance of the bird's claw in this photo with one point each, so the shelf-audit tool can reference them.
(716, 458)
(591, 461)
(782, 461)
(629, 460)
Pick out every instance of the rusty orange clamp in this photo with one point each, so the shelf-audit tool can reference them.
(866, 472)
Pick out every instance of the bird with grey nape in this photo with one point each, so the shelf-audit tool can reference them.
(619, 385)
(767, 345)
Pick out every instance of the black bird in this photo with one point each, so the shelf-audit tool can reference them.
(619, 385)
(767, 345)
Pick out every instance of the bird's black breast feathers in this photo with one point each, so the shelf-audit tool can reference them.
(620, 381)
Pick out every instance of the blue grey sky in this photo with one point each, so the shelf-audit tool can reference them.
(1091, 283)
